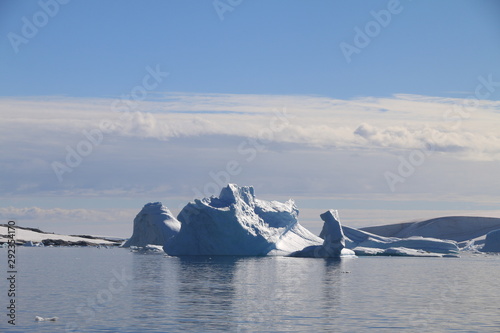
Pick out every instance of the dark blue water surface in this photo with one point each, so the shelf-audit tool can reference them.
(115, 290)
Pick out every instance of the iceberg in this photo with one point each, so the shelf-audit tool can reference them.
(154, 225)
(333, 239)
(38, 318)
(237, 223)
(492, 243)
(359, 240)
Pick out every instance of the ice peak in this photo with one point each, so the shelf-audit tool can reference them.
(332, 230)
(151, 204)
(232, 192)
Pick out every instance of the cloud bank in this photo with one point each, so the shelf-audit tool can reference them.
(309, 144)
(399, 122)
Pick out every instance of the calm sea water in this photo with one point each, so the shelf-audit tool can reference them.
(114, 290)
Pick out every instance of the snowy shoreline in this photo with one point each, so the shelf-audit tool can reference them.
(26, 236)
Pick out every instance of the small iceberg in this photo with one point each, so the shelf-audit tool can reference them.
(154, 225)
(333, 240)
(38, 318)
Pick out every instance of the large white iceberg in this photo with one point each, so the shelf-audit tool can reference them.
(237, 223)
(154, 225)
(492, 243)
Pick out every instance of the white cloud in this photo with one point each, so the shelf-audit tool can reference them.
(69, 215)
(464, 144)
(399, 122)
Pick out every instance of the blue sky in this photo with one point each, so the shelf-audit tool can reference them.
(424, 82)
(99, 48)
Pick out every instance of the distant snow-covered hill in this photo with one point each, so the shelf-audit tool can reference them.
(457, 228)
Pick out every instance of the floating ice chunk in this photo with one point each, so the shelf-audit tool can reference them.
(38, 318)
(154, 225)
(368, 251)
(148, 249)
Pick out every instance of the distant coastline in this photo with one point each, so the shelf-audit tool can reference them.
(27, 236)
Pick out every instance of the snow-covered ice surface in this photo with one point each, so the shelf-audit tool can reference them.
(237, 223)
(361, 239)
(492, 243)
(154, 225)
(468, 231)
